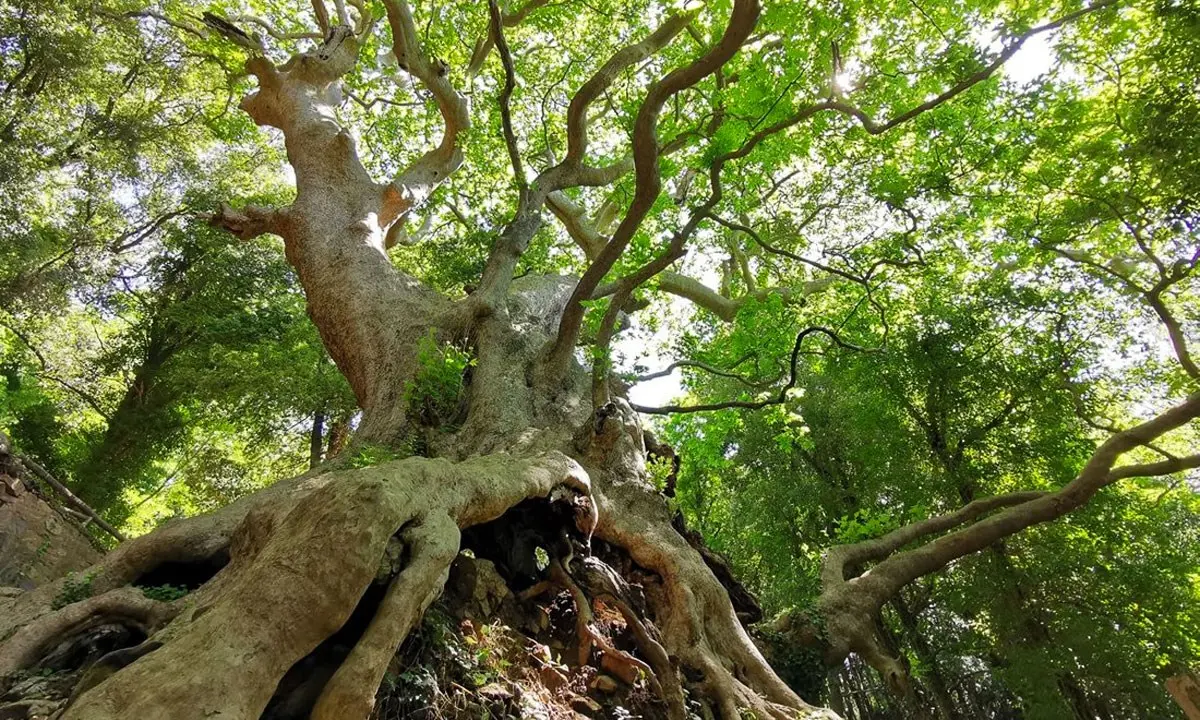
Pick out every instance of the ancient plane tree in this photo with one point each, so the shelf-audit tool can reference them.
(544, 415)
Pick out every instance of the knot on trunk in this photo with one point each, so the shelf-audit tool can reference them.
(613, 439)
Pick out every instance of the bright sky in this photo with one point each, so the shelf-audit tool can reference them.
(1033, 59)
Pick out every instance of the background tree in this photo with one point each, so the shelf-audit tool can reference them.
(134, 334)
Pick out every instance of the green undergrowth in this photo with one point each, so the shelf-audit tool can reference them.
(451, 669)
(75, 587)
(434, 395)
(165, 593)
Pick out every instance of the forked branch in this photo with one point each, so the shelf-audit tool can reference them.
(433, 167)
(851, 596)
(577, 138)
(510, 83)
(648, 179)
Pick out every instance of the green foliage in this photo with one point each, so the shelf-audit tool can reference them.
(435, 392)
(165, 593)
(441, 659)
(864, 525)
(659, 470)
(370, 454)
(968, 400)
(802, 667)
(75, 587)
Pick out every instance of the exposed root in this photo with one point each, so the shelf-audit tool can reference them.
(697, 621)
(732, 695)
(589, 635)
(583, 611)
(540, 588)
(127, 606)
(603, 582)
(298, 566)
(302, 554)
(187, 540)
(596, 580)
(433, 545)
(691, 607)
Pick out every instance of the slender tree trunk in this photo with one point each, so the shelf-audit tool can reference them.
(339, 434)
(315, 440)
(124, 451)
(936, 684)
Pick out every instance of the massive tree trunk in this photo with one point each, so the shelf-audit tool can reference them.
(279, 572)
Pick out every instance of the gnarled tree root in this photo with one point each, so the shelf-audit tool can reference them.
(296, 572)
(127, 606)
(302, 554)
(662, 676)
(692, 609)
(433, 544)
(196, 539)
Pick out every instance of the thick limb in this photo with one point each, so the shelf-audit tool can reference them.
(852, 598)
(370, 316)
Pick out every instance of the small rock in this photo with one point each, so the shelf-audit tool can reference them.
(627, 673)
(532, 708)
(604, 683)
(495, 692)
(476, 587)
(10, 487)
(392, 560)
(552, 678)
(32, 709)
(585, 704)
(51, 687)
